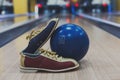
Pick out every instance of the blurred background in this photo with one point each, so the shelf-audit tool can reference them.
(58, 6)
(99, 18)
(20, 16)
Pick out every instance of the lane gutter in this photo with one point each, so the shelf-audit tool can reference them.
(10, 34)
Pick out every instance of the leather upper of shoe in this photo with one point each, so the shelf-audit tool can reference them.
(46, 59)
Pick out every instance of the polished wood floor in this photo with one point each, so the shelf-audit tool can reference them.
(102, 61)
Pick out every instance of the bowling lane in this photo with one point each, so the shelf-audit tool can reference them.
(100, 63)
(11, 28)
(7, 23)
(109, 22)
(109, 17)
(7, 16)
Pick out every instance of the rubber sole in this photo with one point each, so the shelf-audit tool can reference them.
(33, 70)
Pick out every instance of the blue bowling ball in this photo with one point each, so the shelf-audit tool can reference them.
(71, 41)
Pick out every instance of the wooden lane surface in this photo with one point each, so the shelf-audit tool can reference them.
(102, 61)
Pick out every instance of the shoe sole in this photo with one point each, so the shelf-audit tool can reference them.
(33, 70)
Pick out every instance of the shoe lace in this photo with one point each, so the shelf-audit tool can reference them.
(51, 54)
(34, 33)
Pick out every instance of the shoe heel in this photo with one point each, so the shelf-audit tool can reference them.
(28, 70)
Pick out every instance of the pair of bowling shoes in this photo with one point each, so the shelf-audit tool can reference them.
(34, 58)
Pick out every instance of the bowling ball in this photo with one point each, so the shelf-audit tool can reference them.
(71, 41)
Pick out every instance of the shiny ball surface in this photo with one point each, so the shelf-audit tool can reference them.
(71, 41)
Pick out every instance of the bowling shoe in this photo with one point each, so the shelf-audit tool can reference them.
(43, 60)
(39, 38)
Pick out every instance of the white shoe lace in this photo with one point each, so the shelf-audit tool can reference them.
(51, 54)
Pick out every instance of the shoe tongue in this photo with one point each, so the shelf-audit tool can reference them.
(32, 55)
(38, 52)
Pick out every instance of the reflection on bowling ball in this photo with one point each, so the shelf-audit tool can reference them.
(71, 41)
